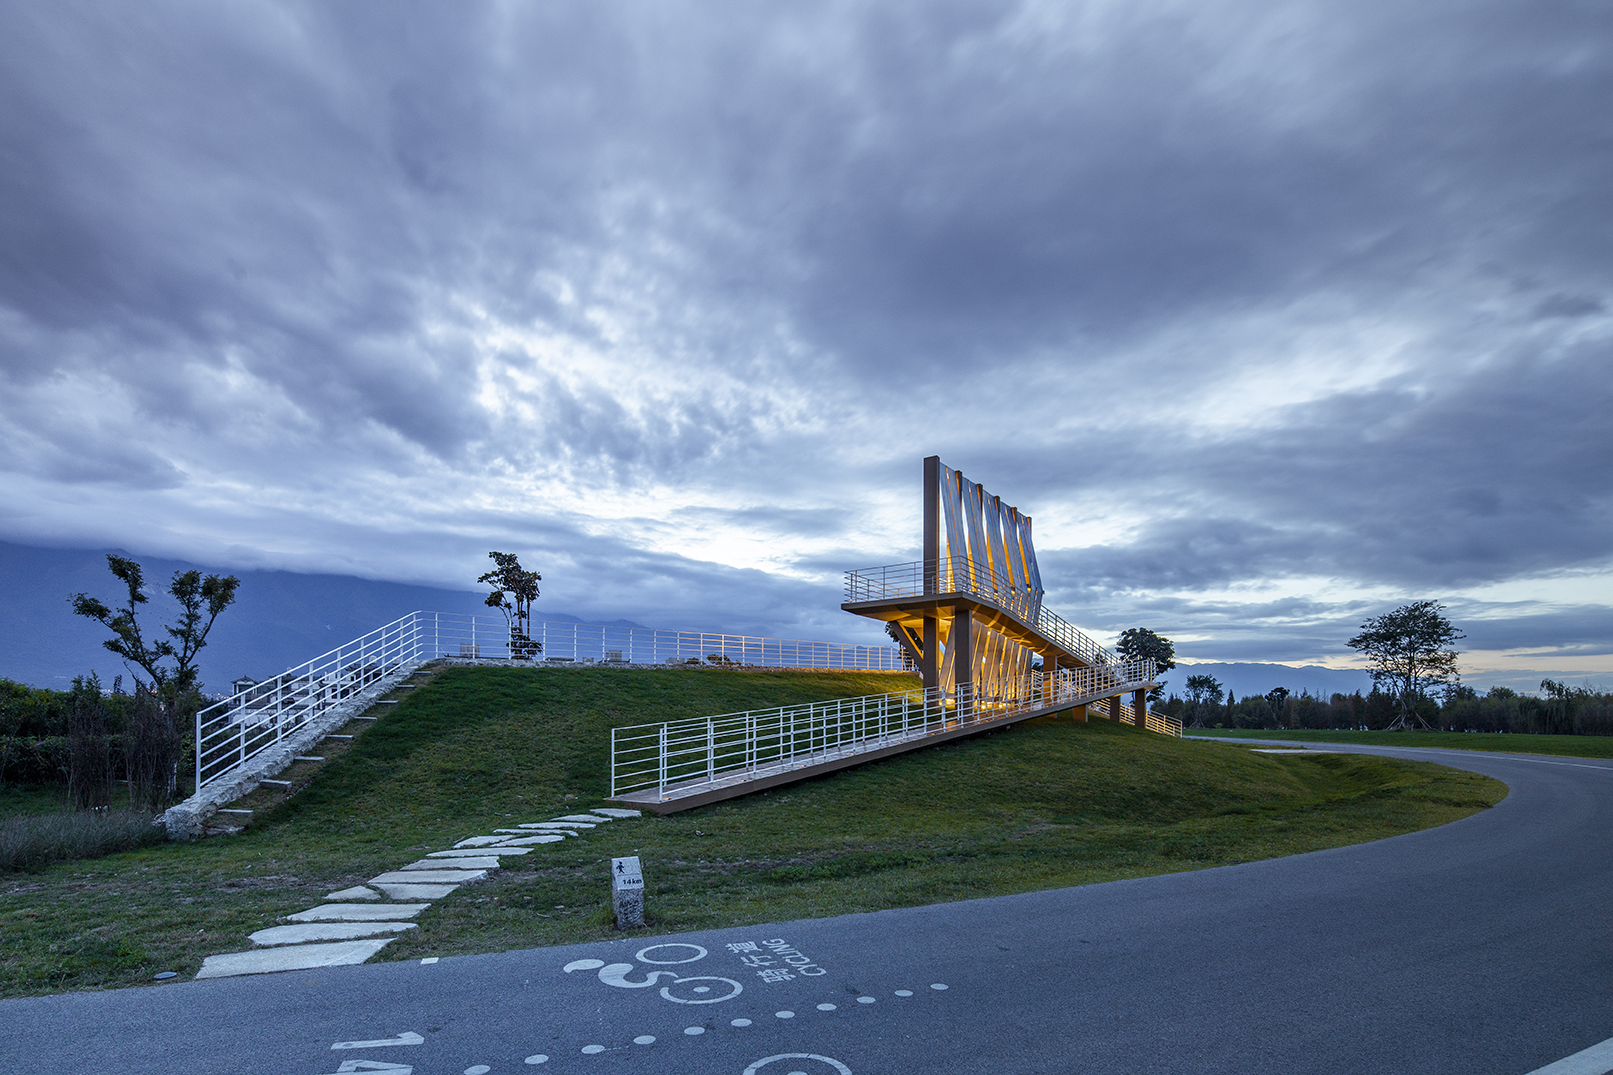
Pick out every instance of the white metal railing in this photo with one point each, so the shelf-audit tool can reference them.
(231, 733)
(732, 748)
(923, 578)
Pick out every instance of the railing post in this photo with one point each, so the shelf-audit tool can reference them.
(661, 789)
(711, 751)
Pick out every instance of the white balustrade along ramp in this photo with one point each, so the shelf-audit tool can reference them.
(256, 733)
(681, 764)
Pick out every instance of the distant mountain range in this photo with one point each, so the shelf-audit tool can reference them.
(279, 618)
(1246, 679)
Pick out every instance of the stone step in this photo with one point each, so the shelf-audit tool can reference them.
(489, 862)
(358, 892)
(416, 892)
(585, 819)
(306, 757)
(358, 912)
(325, 931)
(276, 783)
(476, 852)
(439, 876)
(609, 811)
(338, 737)
(295, 957)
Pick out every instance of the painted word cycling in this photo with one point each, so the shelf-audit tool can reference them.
(763, 957)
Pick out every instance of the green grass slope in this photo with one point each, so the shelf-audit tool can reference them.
(1046, 803)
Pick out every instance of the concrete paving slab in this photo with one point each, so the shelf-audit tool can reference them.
(611, 811)
(358, 912)
(550, 826)
(479, 841)
(417, 892)
(428, 877)
(326, 931)
(488, 862)
(295, 957)
(582, 818)
(357, 892)
(528, 841)
(477, 852)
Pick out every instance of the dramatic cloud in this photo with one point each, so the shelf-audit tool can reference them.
(1273, 316)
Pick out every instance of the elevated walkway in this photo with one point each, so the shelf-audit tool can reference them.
(678, 765)
(905, 595)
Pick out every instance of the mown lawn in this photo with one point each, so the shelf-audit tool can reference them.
(1568, 746)
(1045, 804)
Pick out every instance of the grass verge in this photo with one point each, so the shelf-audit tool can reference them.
(1568, 746)
(1045, 804)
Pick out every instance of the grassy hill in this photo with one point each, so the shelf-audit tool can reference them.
(1044, 804)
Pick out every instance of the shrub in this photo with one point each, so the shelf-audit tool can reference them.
(32, 843)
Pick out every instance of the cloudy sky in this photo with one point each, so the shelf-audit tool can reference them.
(1273, 315)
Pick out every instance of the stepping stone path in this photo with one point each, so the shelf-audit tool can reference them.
(347, 931)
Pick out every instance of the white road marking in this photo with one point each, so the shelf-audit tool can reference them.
(865, 1000)
(592, 1049)
(477, 1069)
(766, 1060)
(537, 1058)
(784, 1015)
(740, 1022)
(642, 958)
(904, 992)
(428, 960)
(826, 1007)
(408, 1037)
(937, 985)
(644, 1039)
(373, 1065)
(1597, 1060)
(693, 1031)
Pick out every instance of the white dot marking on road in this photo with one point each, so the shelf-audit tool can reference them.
(477, 1069)
(537, 1058)
(740, 1022)
(644, 1039)
(428, 961)
(937, 985)
(785, 1015)
(865, 1000)
(592, 1049)
(693, 1030)
(904, 992)
(826, 1007)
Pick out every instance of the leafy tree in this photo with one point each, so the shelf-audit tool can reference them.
(1139, 643)
(514, 590)
(1277, 697)
(200, 601)
(1204, 690)
(1410, 651)
(1203, 694)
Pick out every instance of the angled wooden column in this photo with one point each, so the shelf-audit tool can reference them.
(1114, 709)
(1050, 673)
(930, 662)
(1139, 708)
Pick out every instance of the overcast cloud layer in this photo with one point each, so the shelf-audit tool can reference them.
(1272, 315)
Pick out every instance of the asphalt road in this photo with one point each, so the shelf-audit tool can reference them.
(1484, 946)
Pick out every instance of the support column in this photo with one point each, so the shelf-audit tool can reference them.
(1139, 708)
(1050, 672)
(930, 662)
(962, 639)
(1114, 709)
(932, 523)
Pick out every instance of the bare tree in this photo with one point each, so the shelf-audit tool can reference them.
(200, 601)
(514, 590)
(1410, 650)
